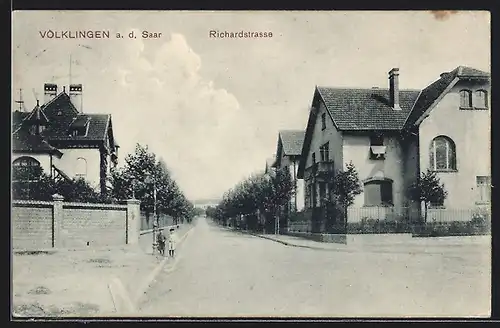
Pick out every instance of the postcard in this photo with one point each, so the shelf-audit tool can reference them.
(251, 164)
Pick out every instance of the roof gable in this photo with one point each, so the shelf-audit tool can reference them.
(292, 141)
(429, 96)
(311, 121)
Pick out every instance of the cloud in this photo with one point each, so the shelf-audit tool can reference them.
(200, 130)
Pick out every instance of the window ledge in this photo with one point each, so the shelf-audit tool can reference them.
(483, 203)
(446, 171)
(381, 205)
(436, 207)
(473, 108)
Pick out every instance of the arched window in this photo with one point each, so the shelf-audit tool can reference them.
(465, 99)
(25, 161)
(481, 99)
(442, 154)
(26, 168)
(378, 192)
(81, 168)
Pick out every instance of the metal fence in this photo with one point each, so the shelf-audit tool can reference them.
(414, 214)
(397, 220)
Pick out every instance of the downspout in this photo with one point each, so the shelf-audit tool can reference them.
(51, 169)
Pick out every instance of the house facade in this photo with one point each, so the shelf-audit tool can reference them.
(289, 149)
(65, 142)
(391, 135)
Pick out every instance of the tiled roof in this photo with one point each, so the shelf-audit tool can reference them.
(24, 142)
(62, 115)
(292, 141)
(435, 89)
(17, 118)
(366, 109)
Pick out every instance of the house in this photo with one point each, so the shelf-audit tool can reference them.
(289, 149)
(391, 135)
(65, 142)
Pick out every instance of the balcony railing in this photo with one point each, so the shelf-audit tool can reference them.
(319, 168)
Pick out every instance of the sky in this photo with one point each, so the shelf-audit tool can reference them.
(212, 108)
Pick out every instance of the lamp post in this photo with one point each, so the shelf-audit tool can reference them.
(155, 219)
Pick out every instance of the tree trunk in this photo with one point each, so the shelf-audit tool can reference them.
(425, 212)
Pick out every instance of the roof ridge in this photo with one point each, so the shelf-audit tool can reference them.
(366, 88)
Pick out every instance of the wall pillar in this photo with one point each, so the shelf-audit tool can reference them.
(57, 220)
(133, 221)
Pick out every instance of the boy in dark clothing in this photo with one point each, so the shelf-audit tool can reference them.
(161, 242)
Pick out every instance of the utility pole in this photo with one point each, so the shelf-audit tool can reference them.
(155, 218)
(21, 101)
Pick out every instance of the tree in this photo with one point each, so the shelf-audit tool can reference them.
(42, 187)
(429, 190)
(144, 177)
(344, 187)
(264, 193)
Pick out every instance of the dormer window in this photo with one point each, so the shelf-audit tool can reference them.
(466, 99)
(377, 148)
(79, 127)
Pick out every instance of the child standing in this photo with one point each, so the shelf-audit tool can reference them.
(172, 241)
(161, 242)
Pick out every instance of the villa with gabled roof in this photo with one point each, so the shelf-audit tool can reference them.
(64, 141)
(392, 135)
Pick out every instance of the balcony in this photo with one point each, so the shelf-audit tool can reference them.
(318, 169)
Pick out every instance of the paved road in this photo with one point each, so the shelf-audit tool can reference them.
(225, 274)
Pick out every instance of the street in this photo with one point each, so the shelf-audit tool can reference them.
(224, 273)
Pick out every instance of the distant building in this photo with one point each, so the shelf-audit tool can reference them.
(65, 142)
(289, 149)
(206, 203)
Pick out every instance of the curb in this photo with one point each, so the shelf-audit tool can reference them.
(291, 244)
(155, 272)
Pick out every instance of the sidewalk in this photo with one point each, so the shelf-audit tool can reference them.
(453, 246)
(92, 282)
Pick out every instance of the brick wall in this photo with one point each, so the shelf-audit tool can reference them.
(95, 224)
(31, 224)
(147, 220)
(39, 225)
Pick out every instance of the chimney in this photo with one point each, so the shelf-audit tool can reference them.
(75, 95)
(394, 88)
(50, 92)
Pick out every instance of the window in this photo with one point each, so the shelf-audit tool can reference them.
(378, 192)
(308, 196)
(442, 154)
(322, 192)
(483, 184)
(323, 121)
(376, 139)
(312, 193)
(314, 158)
(81, 168)
(377, 148)
(26, 169)
(325, 152)
(481, 99)
(465, 99)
